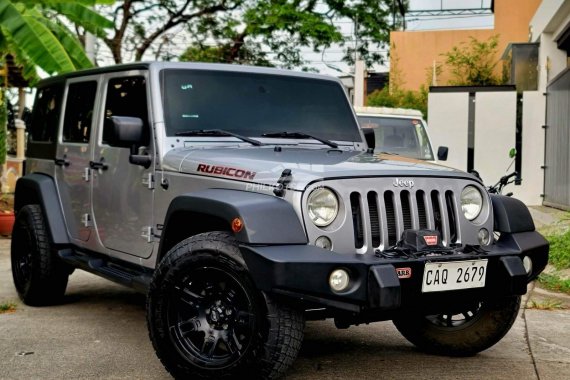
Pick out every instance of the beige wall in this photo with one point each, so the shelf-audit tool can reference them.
(415, 52)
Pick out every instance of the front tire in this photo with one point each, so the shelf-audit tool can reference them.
(463, 334)
(40, 277)
(206, 319)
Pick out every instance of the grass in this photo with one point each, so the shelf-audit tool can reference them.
(560, 250)
(7, 307)
(547, 304)
(555, 283)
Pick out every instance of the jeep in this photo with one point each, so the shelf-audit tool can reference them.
(244, 201)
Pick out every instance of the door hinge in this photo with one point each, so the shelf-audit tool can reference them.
(87, 174)
(86, 220)
(147, 234)
(148, 181)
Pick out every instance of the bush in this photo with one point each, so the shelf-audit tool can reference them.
(560, 250)
(399, 98)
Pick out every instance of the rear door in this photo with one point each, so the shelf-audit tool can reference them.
(73, 155)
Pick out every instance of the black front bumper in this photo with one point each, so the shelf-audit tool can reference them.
(301, 273)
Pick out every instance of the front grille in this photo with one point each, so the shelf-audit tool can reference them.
(379, 219)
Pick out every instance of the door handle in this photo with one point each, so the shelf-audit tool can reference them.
(62, 161)
(98, 164)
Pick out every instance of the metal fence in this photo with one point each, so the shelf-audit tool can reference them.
(557, 149)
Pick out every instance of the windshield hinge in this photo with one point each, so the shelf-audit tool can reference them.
(282, 183)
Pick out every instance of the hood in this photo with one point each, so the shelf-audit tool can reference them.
(265, 164)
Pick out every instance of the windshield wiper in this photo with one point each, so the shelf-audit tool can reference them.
(218, 132)
(300, 135)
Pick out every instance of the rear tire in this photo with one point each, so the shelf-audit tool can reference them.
(207, 320)
(462, 334)
(40, 277)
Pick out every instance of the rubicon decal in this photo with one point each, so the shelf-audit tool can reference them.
(404, 272)
(226, 171)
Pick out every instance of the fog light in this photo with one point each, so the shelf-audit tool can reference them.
(484, 236)
(323, 242)
(339, 280)
(527, 263)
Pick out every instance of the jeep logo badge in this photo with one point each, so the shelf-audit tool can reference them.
(403, 183)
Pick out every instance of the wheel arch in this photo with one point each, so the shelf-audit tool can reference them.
(266, 219)
(36, 188)
(511, 215)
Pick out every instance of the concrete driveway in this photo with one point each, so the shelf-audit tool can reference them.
(100, 333)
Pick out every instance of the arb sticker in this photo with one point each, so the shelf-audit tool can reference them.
(404, 272)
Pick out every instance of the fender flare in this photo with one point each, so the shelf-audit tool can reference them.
(267, 220)
(40, 189)
(511, 215)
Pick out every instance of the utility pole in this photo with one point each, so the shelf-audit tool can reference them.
(359, 72)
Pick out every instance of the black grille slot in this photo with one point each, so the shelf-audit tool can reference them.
(451, 216)
(437, 217)
(374, 218)
(390, 217)
(357, 220)
(406, 210)
(422, 216)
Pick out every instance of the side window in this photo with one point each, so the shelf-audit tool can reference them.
(126, 96)
(46, 114)
(79, 112)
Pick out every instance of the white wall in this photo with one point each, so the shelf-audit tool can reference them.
(551, 60)
(447, 125)
(534, 109)
(495, 129)
(495, 134)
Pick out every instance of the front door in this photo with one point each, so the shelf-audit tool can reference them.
(72, 158)
(123, 192)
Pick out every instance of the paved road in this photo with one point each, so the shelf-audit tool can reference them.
(100, 333)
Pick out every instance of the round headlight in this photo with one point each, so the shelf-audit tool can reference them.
(322, 206)
(471, 202)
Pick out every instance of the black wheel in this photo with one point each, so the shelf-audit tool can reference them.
(206, 319)
(40, 277)
(473, 330)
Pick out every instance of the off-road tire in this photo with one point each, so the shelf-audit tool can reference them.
(273, 331)
(481, 329)
(40, 277)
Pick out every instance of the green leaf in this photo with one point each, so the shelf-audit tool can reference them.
(34, 39)
(85, 17)
(71, 45)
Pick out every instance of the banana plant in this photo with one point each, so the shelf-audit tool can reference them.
(37, 33)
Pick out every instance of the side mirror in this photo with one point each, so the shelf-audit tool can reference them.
(369, 136)
(442, 153)
(128, 132)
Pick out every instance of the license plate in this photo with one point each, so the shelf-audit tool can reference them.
(439, 277)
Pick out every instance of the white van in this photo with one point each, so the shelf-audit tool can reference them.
(399, 131)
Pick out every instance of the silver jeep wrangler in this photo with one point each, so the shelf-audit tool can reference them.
(244, 201)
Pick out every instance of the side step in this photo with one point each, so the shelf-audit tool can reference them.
(118, 271)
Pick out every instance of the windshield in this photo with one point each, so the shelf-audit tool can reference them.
(255, 104)
(403, 136)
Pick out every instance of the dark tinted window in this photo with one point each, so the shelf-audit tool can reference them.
(46, 114)
(126, 96)
(79, 112)
(254, 104)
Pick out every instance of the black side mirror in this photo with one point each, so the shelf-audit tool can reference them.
(128, 132)
(442, 153)
(369, 136)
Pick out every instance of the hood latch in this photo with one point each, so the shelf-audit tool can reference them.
(282, 182)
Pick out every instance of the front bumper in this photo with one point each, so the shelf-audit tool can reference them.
(301, 273)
